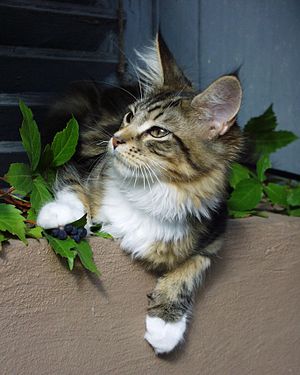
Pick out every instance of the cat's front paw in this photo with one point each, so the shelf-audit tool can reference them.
(56, 214)
(164, 336)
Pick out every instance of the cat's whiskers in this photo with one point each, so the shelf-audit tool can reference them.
(99, 143)
(156, 163)
(150, 173)
(155, 175)
(104, 131)
(144, 181)
(147, 179)
(134, 68)
(100, 161)
(116, 86)
(136, 175)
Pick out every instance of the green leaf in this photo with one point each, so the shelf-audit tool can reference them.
(95, 228)
(276, 193)
(293, 197)
(80, 222)
(261, 130)
(50, 178)
(263, 123)
(2, 239)
(102, 234)
(295, 212)
(246, 195)
(31, 214)
(71, 261)
(40, 193)
(239, 214)
(63, 248)
(86, 256)
(64, 143)
(238, 173)
(46, 158)
(263, 164)
(270, 142)
(30, 135)
(11, 220)
(19, 176)
(36, 232)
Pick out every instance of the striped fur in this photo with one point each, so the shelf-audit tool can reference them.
(159, 185)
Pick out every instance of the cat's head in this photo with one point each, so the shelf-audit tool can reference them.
(173, 133)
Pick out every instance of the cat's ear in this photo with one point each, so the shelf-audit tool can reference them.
(159, 68)
(219, 104)
(172, 75)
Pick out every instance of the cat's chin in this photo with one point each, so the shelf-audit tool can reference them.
(123, 169)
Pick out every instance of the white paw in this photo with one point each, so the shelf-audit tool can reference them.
(56, 214)
(164, 336)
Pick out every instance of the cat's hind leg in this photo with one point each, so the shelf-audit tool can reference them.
(171, 302)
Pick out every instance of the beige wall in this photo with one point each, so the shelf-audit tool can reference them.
(246, 320)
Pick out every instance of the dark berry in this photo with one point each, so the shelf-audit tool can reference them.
(55, 232)
(62, 235)
(74, 231)
(68, 228)
(76, 238)
(82, 232)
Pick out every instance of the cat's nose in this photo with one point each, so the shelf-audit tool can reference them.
(116, 141)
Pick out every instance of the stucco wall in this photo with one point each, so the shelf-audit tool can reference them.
(246, 320)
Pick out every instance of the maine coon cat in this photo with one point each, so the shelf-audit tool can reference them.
(158, 185)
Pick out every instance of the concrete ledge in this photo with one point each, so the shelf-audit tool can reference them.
(246, 319)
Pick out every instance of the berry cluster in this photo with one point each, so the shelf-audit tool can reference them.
(76, 233)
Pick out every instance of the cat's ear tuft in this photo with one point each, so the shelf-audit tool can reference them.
(219, 104)
(159, 68)
(172, 74)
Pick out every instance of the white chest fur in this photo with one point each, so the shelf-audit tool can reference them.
(140, 216)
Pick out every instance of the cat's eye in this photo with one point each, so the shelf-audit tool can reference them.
(128, 117)
(158, 132)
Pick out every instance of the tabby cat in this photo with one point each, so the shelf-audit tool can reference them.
(153, 171)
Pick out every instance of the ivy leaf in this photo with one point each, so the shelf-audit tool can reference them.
(71, 260)
(40, 193)
(2, 239)
(30, 135)
(50, 177)
(11, 220)
(46, 158)
(261, 130)
(102, 234)
(276, 193)
(240, 214)
(246, 195)
(263, 123)
(295, 212)
(63, 248)
(64, 143)
(238, 173)
(86, 256)
(263, 164)
(80, 222)
(270, 142)
(19, 176)
(31, 214)
(36, 232)
(293, 197)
